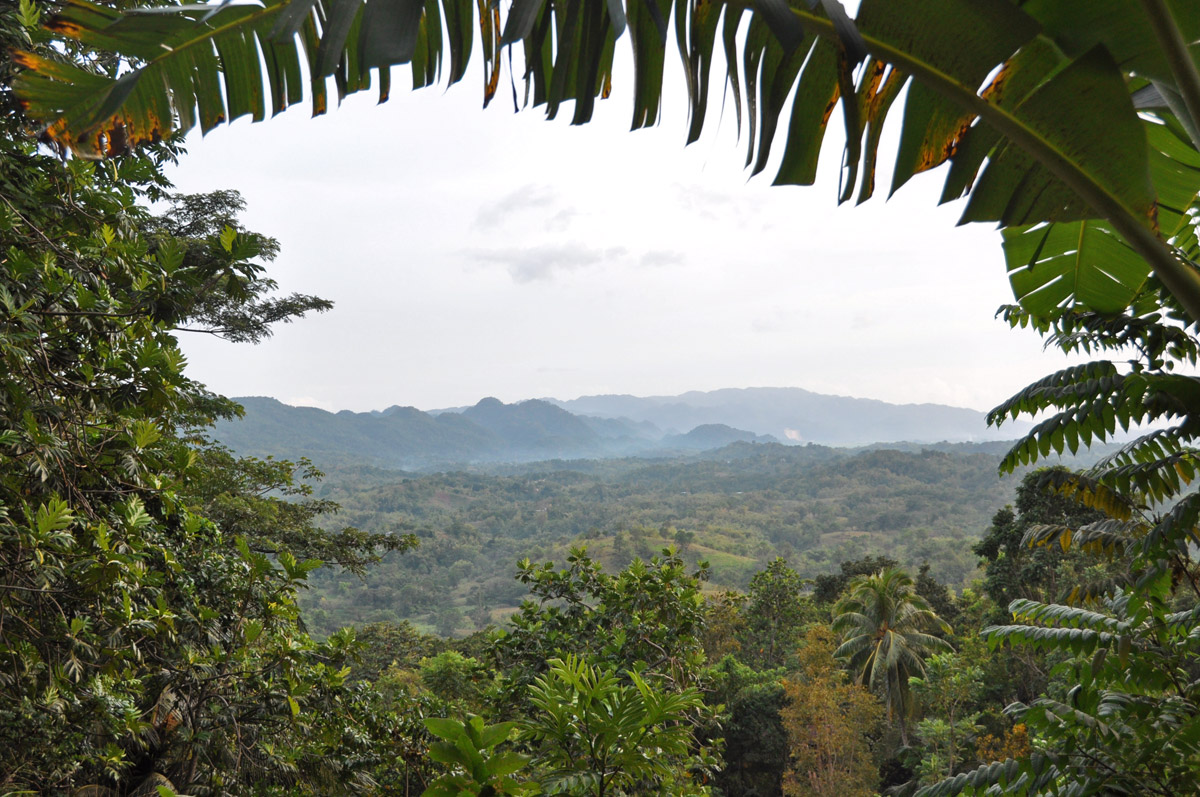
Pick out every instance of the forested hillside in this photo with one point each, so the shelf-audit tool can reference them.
(738, 508)
(599, 426)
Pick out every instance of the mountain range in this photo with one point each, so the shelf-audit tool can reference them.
(796, 415)
(589, 427)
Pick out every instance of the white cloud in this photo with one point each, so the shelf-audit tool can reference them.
(561, 220)
(528, 197)
(661, 257)
(542, 263)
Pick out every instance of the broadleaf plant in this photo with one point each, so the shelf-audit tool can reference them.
(1049, 112)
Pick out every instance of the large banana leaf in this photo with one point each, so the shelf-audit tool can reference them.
(1086, 262)
(1030, 101)
(196, 67)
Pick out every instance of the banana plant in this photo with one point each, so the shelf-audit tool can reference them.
(1071, 123)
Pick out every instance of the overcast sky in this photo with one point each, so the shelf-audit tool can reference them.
(481, 253)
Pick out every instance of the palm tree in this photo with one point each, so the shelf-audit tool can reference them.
(883, 623)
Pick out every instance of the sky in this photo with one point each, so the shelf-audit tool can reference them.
(474, 253)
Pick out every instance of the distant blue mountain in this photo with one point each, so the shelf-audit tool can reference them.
(799, 416)
(588, 428)
(713, 435)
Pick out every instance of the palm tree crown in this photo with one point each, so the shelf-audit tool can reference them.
(884, 623)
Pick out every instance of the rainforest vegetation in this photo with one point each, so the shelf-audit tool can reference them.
(737, 508)
(152, 635)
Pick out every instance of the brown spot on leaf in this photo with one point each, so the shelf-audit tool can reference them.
(57, 130)
(27, 60)
(493, 81)
(995, 90)
(69, 29)
(117, 140)
(833, 101)
(871, 86)
(935, 155)
(951, 146)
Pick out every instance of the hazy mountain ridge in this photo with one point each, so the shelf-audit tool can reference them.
(591, 427)
(714, 435)
(798, 415)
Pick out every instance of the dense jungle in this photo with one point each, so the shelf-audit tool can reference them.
(766, 619)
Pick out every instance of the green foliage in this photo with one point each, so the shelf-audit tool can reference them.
(938, 595)
(269, 503)
(1014, 568)
(949, 686)
(236, 302)
(828, 587)
(387, 644)
(470, 749)
(756, 749)
(775, 612)
(814, 508)
(145, 645)
(1121, 714)
(724, 623)
(645, 619)
(883, 623)
(620, 652)
(1129, 722)
(455, 678)
(598, 734)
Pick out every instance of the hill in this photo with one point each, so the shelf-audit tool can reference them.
(592, 427)
(798, 415)
(737, 507)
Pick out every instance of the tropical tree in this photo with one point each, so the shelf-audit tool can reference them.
(828, 587)
(613, 637)
(776, 609)
(884, 626)
(1014, 569)
(145, 648)
(1072, 123)
(478, 769)
(830, 726)
(601, 735)
(1129, 723)
(646, 618)
(948, 687)
(755, 743)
